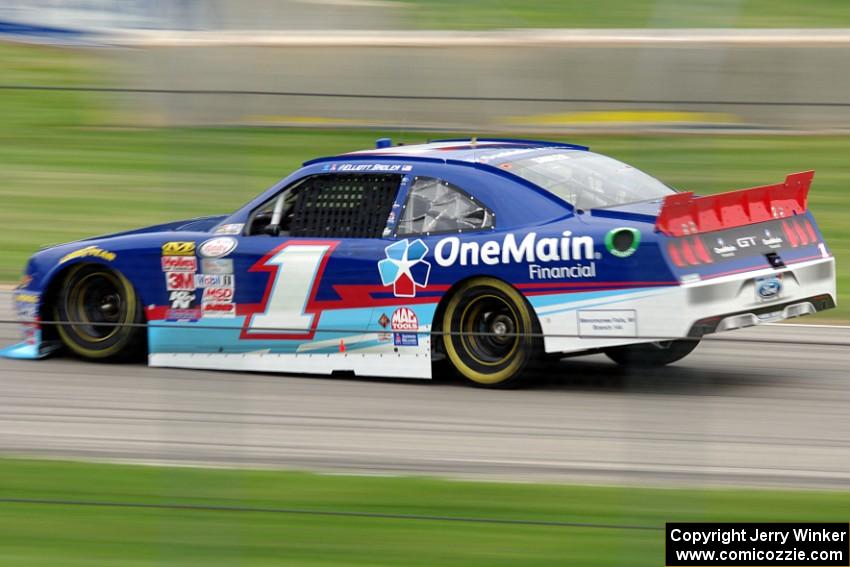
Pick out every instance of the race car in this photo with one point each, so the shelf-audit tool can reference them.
(495, 255)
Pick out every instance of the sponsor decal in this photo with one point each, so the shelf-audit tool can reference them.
(178, 249)
(450, 251)
(181, 299)
(217, 247)
(771, 240)
(180, 281)
(229, 229)
(531, 249)
(404, 319)
(723, 249)
(89, 252)
(405, 339)
(179, 264)
(384, 322)
(214, 309)
(383, 167)
(217, 265)
(218, 295)
(191, 314)
(768, 287)
(26, 305)
(622, 242)
(405, 267)
(607, 323)
(25, 281)
(214, 280)
(27, 297)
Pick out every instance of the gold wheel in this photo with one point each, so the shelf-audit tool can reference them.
(488, 332)
(98, 308)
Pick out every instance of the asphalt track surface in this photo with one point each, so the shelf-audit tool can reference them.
(742, 412)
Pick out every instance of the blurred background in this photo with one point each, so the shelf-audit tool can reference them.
(120, 113)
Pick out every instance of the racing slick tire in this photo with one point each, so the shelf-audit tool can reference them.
(648, 355)
(490, 334)
(99, 314)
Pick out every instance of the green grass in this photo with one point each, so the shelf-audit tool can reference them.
(495, 14)
(66, 174)
(34, 534)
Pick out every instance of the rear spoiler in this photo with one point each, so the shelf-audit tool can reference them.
(682, 213)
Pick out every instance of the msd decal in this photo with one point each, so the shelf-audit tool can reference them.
(405, 267)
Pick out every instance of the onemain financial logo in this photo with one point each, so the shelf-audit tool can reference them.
(577, 250)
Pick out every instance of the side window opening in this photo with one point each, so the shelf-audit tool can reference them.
(329, 206)
(435, 206)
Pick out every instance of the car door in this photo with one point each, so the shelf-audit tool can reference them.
(303, 263)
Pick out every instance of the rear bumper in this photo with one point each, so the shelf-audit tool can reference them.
(687, 310)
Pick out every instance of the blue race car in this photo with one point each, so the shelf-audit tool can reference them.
(494, 254)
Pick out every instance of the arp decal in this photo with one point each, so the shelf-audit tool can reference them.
(178, 249)
(405, 267)
(286, 312)
(220, 310)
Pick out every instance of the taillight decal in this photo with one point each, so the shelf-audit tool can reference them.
(702, 253)
(790, 234)
(688, 253)
(674, 255)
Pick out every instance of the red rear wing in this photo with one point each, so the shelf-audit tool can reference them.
(682, 214)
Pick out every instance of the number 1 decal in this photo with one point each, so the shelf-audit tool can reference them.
(285, 313)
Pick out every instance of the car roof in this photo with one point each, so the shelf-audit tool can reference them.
(472, 150)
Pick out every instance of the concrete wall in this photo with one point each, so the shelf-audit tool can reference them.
(784, 69)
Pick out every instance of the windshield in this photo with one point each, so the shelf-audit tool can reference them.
(587, 180)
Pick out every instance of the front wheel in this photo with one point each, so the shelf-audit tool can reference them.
(651, 354)
(490, 333)
(98, 314)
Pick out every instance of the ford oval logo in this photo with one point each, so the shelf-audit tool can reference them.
(769, 288)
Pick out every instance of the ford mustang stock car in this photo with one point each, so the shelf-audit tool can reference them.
(493, 254)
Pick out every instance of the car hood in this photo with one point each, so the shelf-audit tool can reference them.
(199, 224)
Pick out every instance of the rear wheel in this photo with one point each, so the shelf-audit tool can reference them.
(98, 308)
(651, 354)
(489, 333)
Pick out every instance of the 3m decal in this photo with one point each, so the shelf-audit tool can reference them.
(89, 252)
(179, 264)
(405, 267)
(180, 281)
(217, 247)
(286, 312)
(178, 249)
